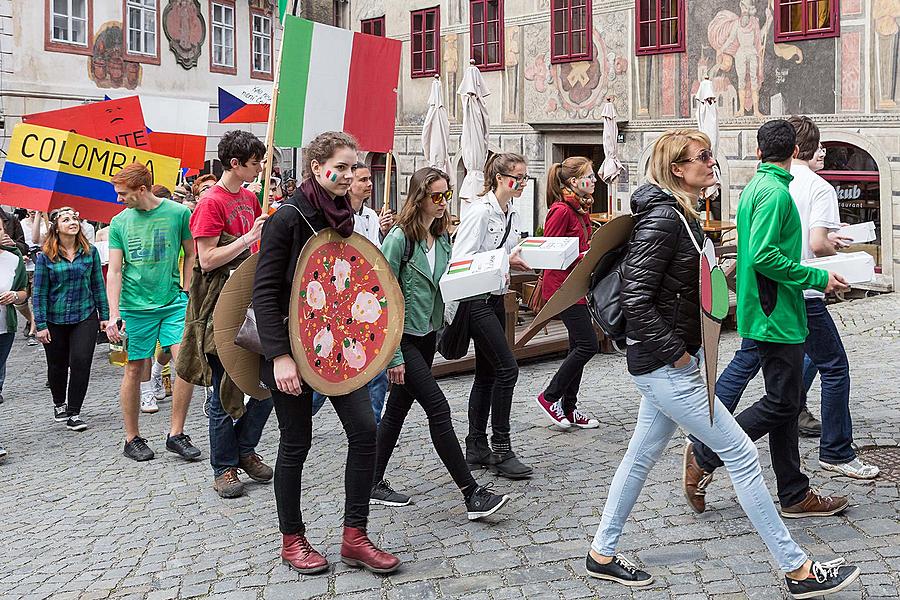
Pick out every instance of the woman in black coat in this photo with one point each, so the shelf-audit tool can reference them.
(318, 203)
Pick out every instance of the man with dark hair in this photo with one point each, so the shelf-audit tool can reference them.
(771, 312)
(225, 225)
(817, 206)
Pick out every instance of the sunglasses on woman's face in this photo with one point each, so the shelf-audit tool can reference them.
(704, 157)
(439, 197)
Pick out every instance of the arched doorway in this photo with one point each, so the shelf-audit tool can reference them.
(854, 174)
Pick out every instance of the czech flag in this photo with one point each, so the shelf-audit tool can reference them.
(244, 104)
(48, 168)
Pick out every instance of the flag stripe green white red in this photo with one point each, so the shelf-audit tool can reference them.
(334, 79)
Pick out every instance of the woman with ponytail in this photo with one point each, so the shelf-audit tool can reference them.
(570, 188)
(70, 308)
(492, 223)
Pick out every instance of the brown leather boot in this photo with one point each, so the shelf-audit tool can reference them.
(816, 505)
(358, 551)
(695, 480)
(298, 554)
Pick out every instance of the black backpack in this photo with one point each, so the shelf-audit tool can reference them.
(603, 293)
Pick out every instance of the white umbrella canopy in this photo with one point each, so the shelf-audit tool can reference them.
(708, 123)
(611, 167)
(474, 141)
(436, 130)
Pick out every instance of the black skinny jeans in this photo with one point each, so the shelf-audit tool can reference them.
(583, 345)
(70, 355)
(418, 355)
(775, 414)
(295, 424)
(496, 371)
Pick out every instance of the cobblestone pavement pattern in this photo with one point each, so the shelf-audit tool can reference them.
(79, 520)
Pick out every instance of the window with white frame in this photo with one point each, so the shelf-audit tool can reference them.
(262, 43)
(141, 26)
(69, 21)
(223, 35)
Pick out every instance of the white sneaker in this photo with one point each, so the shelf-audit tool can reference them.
(856, 469)
(148, 403)
(159, 389)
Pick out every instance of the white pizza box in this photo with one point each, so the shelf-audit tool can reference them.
(473, 274)
(855, 267)
(549, 252)
(861, 232)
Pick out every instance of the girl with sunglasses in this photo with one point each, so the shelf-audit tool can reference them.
(70, 309)
(492, 223)
(570, 188)
(418, 250)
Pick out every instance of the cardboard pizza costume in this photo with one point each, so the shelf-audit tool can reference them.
(346, 313)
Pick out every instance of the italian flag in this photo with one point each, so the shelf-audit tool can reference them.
(334, 79)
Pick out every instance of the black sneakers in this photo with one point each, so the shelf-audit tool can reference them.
(384, 495)
(482, 503)
(824, 578)
(619, 570)
(181, 445)
(60, 413)
(137, 449)
(75, 423)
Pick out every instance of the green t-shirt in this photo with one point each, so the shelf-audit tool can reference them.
(770, 279)
(150, 241)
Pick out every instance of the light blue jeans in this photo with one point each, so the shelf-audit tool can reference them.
(677, 397)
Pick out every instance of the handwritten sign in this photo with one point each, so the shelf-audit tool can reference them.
(118, 121)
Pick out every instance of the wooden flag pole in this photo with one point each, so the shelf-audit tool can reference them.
(388, 164)
(270, 127)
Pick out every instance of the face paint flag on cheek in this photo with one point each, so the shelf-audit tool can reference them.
(513, 184)
(330, 175)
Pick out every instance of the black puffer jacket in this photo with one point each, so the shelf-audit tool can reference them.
(661, 286)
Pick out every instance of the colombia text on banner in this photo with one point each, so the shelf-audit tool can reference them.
(244, 103)
(118, 121)
(336, 80)
(46, 168)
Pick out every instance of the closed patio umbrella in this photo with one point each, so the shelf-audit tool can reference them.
(708, 123)
(436, 130)
(611, 167)
(474, 140)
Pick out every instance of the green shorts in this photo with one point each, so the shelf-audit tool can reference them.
(145, 327)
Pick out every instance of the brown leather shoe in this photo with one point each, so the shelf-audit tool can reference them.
(694, 480)
(227, 485)
(255, 468)
(816, 505)
(298, 554)
(358, 551)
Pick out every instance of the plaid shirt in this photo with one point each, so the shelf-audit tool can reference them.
(67, 292)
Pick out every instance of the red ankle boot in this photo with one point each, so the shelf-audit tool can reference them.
(358, 551)
(298, 554)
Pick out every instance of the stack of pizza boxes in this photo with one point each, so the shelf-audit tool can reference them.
(475, 274)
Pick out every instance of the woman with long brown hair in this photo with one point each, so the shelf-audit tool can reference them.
(70, 308)
(570, 188)
(418, 250)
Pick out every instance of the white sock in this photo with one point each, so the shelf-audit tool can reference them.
(157, 369)
(146, 386)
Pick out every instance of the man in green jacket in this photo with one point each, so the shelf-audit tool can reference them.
(772, 312)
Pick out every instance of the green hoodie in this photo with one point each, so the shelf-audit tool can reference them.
(19, 283)
(770, 278)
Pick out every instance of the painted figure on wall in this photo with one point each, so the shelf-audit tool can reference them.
(450, 78)
(107, 66)
(185, 28)
(511, 74)
(886, 14)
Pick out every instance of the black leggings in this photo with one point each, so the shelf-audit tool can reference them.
(418, 354)
(496, 371)
(583, 346)
(295, 424)
(70, 354)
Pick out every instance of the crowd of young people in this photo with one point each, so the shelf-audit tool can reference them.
(167, 267)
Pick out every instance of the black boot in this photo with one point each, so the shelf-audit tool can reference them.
(478, 453)
(504, 462)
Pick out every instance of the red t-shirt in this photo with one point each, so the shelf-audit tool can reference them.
(221, 211)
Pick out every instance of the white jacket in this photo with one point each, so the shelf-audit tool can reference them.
(483, 226)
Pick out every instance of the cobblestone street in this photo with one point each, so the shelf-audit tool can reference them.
(79, 520)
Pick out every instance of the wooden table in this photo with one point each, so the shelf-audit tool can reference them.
(716, 229)
(601, 218)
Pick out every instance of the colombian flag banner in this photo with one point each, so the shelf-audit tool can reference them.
(47, 168)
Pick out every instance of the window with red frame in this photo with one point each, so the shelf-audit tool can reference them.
(373, 26)
(806, 19)
(425, 41)
(660, 26)
(68, 26)
(486, 34)
(570, 31)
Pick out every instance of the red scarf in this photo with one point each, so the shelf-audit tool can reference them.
(337, 211)
(577, 203)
